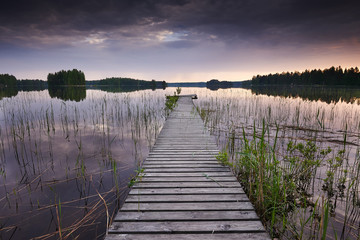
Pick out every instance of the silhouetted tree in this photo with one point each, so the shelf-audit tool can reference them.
(330, 76)
(31, 85)
(127, 83)
(70, 77)
(215, 84)
(7, 80)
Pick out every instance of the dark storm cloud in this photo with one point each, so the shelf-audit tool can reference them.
(232, 21)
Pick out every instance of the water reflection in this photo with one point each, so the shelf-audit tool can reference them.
(77, 93)
(120, 89)
(8, 92)
(69, 155)
(313, 93)
(234, 113)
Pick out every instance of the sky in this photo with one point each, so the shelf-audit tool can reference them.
(178, 40)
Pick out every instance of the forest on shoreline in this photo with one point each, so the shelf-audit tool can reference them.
(76, 78)
(333, 76)
(329, 76)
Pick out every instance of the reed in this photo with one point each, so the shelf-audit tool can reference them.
(61, 145)
(301, 183)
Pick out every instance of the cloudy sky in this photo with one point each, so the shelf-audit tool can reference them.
(177, 40)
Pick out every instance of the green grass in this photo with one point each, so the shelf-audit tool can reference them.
(278, 188)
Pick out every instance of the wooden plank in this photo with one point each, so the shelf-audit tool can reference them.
(211, 184)
(188, 174)
(210, 236)
(186, 216)
(187, 198)
(201, 170)
(184, 152)
(193, 169)
(181, 158)
(194, 191)
(188, 206)
(187, 227)
(188, 179)
(178, 142)
(180, 135)
(205, 142)
(154, 162)
(183, 148)
(168, 141)
(188, 165)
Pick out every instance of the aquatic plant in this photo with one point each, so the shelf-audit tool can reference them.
(297, 160)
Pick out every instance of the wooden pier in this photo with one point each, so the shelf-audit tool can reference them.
(184, 192)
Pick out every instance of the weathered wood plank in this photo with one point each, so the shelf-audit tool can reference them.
(186, 216)
(188, 174)
(210, 236)
(178, 143)
(184, 151)
(187, 227)
(169, 141)
(188, 179)
(211, 184)
(182, 155)
(187, 198)
(202, 170)
(185, 148)
(194, 206)
(188, 165)
(182, 158)
(184, 162)
(194, 191)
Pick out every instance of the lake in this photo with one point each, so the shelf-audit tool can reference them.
(68, 155)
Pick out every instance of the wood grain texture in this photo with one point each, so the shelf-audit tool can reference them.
(187, 198)
(187, 227)
(210, 236)
(186, 216)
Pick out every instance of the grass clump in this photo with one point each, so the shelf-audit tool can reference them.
(278, 187)
(223, 158)
(137, 178)
(171, 101)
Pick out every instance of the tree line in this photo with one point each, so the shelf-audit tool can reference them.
(31, 85)
(308, 92)
(329, 76)
(129, 83)
(215, 84)
(70, 77)
(7, 80)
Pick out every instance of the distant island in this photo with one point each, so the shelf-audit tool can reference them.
(329, 76)
(66, 78)
(123, 83)
(213, 84)
(7, 81)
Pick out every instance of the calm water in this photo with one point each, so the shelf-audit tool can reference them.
(68, 156)
(61, 160)
(328, 121)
